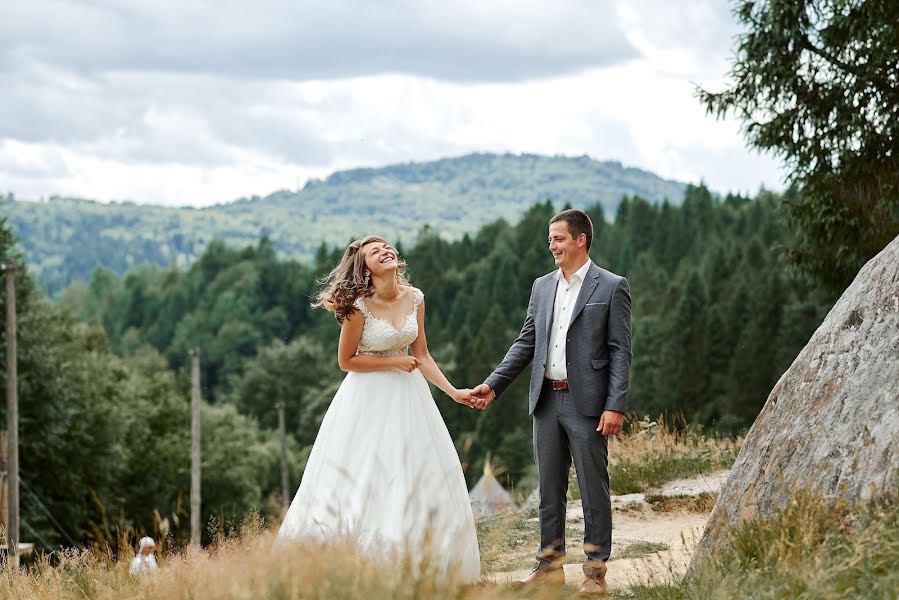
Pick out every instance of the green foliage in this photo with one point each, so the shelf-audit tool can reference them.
(291, 374)
(230, 303)
(814, 83)
(717, 318)
(105, 439)
(706, 314)
(65, 239)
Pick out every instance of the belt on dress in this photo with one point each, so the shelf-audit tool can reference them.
(557, 384)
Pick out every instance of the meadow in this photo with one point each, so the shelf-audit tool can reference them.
(811, 550)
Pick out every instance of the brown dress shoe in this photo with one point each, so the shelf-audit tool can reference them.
(554, 576)
(593, 586)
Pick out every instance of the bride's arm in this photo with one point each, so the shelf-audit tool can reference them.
(348, 360)
(429, 367)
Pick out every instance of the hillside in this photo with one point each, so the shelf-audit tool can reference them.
(65, 238)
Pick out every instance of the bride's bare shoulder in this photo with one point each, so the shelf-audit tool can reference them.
(414, 293)
(410, 291)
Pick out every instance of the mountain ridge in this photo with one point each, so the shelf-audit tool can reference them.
(68, 237)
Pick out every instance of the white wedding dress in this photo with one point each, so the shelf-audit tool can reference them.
(383, 470)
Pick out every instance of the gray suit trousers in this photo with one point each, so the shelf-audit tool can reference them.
(561, 433)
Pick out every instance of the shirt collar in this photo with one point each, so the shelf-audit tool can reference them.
(580, 274)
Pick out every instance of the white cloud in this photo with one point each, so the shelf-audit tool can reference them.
(62, 171)
(687, 39)
(463, 40)
(108, 114)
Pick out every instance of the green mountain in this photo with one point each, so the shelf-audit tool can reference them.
(65, 238)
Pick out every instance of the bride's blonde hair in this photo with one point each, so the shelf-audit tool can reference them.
(347, 280)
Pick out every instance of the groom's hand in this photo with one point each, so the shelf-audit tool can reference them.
(610, 422)
(483, 396)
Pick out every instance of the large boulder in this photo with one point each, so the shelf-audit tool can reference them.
(830, 427)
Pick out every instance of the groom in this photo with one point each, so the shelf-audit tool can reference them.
(577, 332)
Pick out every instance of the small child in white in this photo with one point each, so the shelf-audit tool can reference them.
(144, 562)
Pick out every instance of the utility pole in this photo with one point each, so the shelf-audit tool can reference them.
(285, 480)
(4, 493)
(12, 417)
(195, 448)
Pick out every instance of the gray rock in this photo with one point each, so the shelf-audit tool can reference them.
(830, 427)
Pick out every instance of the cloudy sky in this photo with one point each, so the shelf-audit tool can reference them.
(198, 102)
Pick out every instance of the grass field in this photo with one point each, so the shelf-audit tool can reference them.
(809, 551)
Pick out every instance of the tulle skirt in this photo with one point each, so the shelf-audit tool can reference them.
(384, 472)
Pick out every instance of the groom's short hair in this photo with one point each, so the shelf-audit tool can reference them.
(577, 222)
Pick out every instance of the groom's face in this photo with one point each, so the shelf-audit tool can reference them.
(566, 250)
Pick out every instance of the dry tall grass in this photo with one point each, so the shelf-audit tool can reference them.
(811, 550)
(242, 565)
(655, 452)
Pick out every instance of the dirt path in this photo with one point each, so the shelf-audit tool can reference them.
(638, 527)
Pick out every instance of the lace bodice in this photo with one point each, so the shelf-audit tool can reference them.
(381, 338)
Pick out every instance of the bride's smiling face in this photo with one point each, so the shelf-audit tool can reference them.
(380, 258)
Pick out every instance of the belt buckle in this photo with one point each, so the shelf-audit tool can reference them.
(560, 384)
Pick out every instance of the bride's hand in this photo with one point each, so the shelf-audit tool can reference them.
(407, 363)
(462, 397)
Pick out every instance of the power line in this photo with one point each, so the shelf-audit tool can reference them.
(35, 533)
(47, 512)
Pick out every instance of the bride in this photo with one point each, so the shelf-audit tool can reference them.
(383, 470)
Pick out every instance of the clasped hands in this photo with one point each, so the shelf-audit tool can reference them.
(480, 397)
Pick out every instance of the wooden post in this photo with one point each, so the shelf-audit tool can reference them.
(12, 416)
(4, 494)
(195, 448)
(285, 480)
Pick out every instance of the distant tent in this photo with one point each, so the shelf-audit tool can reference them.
(488, 496)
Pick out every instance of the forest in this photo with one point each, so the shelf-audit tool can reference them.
(718, 315)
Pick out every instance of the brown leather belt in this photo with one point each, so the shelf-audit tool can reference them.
(558, 384)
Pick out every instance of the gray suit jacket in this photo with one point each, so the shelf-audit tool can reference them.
(598, 343)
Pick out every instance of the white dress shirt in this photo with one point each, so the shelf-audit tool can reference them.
(566, 295)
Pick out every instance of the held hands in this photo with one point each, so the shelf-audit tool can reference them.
(406, 363)
(462, 397)
(610, 422)
(482, 396)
